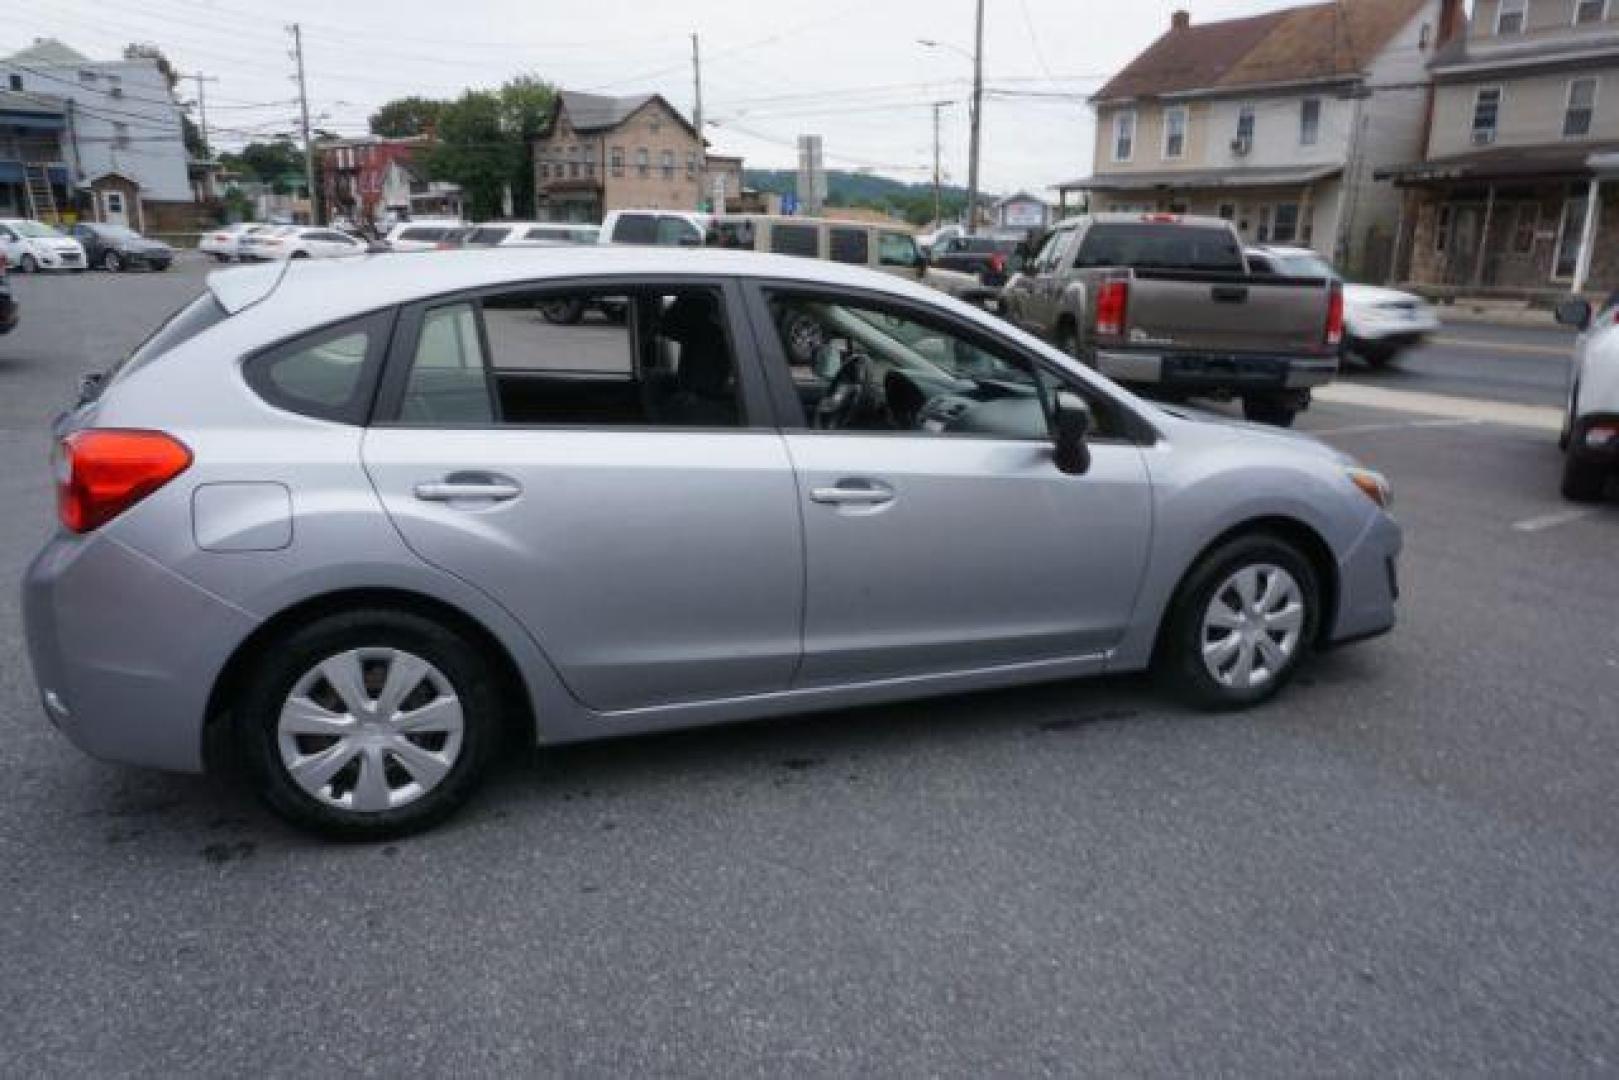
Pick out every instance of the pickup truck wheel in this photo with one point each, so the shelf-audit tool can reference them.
(1583, 481)
(1268, 410)
(1068, 342)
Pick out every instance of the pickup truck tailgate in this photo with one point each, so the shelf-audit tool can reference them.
(1226, 313)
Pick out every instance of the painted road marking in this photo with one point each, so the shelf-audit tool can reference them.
(1563, 351)
(1533, 417)
(1551, 521)
(1403, 425)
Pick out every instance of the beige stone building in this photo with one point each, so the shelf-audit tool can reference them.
(607, 153)
(1518, 191)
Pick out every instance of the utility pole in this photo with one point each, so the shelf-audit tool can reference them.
(937, 201)
(202, 106)
(303, 109)
(697, 122)
(977, 110)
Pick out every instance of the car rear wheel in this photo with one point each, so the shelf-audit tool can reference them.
(565, 312)
(111, 261)
(1240, 624)
(369, 724)
(1068, 339)
(1583, 481)
(28, 264)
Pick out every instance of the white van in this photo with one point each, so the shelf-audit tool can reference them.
(655, 228)
(880, 247)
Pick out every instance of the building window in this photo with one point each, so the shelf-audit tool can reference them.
(1523, 228)
(1284, 225)
(1425, 36)
(15, 82)
(691, 165)
(120, 136)
(642, 161)
(1590, 11)
(590, 160)
(1309, 121)
(617, 159)
(545, 169)
(88, 78)
(1582, 100)
(1570, 232)
(1245, 126)
(1441, 233)
(1486, 115)
(1509, 17)
(1124, 135)
(1227, 211)
(1175, 132)
(667, 161)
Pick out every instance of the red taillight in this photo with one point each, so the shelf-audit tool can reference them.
(997, 263)
(1160, 219)
(103, 472)
(1112, 298)
(1335, 316)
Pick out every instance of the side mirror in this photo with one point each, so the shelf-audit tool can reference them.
(1070, 426)
(1574, 312)
(828, 361)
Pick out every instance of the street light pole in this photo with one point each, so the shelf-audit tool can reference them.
(977, 110)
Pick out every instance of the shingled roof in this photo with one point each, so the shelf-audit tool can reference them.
(599, 112)
(1317, 41)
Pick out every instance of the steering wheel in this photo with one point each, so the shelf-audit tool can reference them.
(851, 394)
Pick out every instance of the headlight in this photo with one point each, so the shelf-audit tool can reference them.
(1372, 484)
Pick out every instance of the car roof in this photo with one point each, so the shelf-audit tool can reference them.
(326, 290)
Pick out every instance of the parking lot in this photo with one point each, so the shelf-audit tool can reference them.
(1408, 862)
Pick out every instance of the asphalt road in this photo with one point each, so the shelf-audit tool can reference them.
(1523, 365)
(1409, 863)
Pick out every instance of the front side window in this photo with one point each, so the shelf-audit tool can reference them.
(849, 246)
(677, 232)
(326, 374)
(1124, 135)
(1175, 132)
(635, 229)
(1582, 100)
(1509, 18)
(1309, 121)
(897, 249)
(593, 357)
(1486, 115)
(801, 240)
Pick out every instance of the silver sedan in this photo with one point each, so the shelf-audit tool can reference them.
(362, 521)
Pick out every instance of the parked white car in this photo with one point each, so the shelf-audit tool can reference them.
(1379, 323)
(300, 242)
(225, 244)
(1590, 438)
(424, 234)
(31, 246)
(655, 228)
(529, 234)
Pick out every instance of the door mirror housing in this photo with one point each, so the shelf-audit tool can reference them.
(1071, 426)
(1574, 312)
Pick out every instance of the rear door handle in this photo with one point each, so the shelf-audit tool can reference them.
(853, 493)
(453, 489)
(1230, 294)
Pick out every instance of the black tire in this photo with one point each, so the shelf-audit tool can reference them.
(1180, 648)
(1378, 357)
(299, 255)
(257, 711)
(28, 265)
(112, 262)
(221, 258)
(1567, 434)
(1263, 409)
(1068, 339)
(1583, 481)
(563, 312)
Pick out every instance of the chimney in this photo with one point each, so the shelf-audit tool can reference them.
(1180, 20)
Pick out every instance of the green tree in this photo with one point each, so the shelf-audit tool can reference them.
(266, 162)
(525, 106)
(406, 117)
(475, 150)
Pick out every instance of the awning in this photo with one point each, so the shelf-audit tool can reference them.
(1182, 179)
(32, 122)
(1520, 163)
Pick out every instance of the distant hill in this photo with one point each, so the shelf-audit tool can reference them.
(912, 201)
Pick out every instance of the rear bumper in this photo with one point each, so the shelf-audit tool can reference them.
(1368, 584)
(1215, 371)
(1601, 447)
(124, 651)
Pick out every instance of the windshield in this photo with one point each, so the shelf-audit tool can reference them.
(34, 229)
(922, 349)
(1304, 266)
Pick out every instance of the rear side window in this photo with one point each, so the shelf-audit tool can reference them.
(635, 229)
(328, 374)
(678, 232)
(485, 237)
(426, 236)
(801, 240)
(449, 381)
(732, 234)
(180, 328)
(1153, 246)
(850, 246)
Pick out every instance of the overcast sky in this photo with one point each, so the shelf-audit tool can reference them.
(851, 72)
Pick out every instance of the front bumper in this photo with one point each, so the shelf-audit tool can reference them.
(124, 651)
(58, 260)
(1215, 371)
(1368, 583)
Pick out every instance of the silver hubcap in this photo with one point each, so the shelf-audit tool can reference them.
(1252, 626)
(370, 729)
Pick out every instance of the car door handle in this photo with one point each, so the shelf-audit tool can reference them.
(853, 493)
(455, 490)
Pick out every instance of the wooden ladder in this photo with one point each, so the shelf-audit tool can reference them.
(41, 200)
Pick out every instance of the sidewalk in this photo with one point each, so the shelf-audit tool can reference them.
(1495, 313)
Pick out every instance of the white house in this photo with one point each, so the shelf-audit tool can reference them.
(122, 143)
(1278, 122)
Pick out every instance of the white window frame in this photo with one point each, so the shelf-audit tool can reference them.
(1472, 120)
(1185, 121)
(1569, 199)
(1575, 15)
(1518, 7)
(1118, 124)
(1568, 105)
(1315, 132)
(1247, 110)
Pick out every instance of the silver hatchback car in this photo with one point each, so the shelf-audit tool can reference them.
(360, 521)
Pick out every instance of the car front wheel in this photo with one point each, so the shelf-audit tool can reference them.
(1240, 624)
(1583, 481)
(111, 261)
(369, 724)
